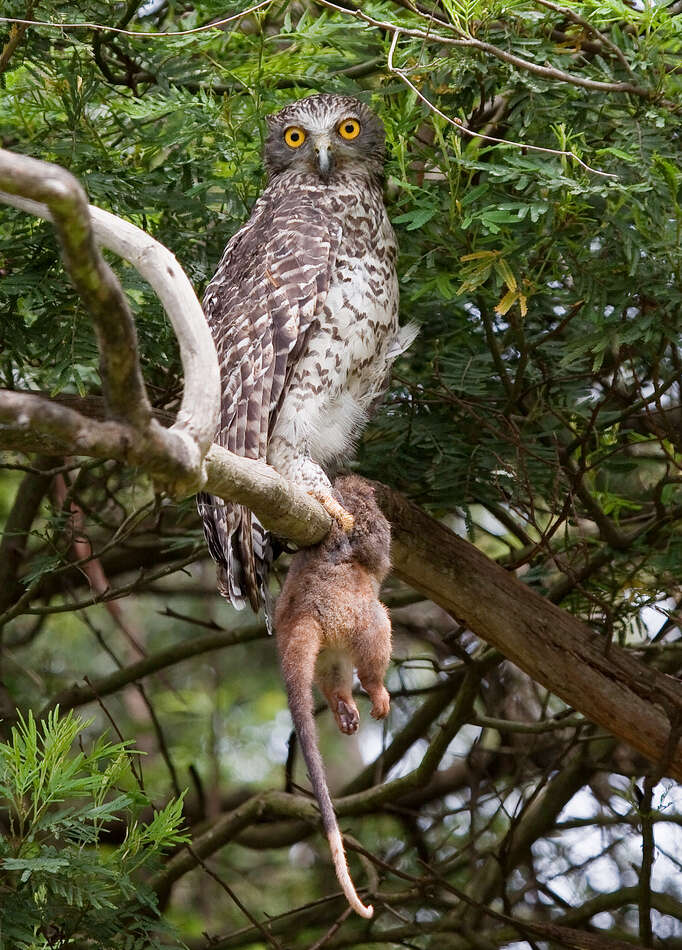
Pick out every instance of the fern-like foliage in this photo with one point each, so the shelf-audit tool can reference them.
(60, 881)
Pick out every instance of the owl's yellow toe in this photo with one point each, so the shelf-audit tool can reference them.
(343, 518)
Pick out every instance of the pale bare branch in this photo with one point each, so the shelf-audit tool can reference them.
(198, 415)
(96, 284)
(28, 421)
(31, 423)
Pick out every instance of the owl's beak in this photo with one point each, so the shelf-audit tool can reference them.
(324, 156)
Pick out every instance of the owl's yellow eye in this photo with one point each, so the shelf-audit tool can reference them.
(349, 129)
(294, 137)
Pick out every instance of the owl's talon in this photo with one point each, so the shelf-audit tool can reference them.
(343, 518)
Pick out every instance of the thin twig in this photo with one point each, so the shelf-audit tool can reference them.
(332, 930)
(269, 938)
(195, 646)
(458, 124)
(566, 936)
(462, 40)
(511, 725)
(130, 755)
(644, 889)
(581, 21)
(215, 25)
(161, 740)
(466, 40)
(103, 598)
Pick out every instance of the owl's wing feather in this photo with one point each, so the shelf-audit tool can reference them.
(261, 305)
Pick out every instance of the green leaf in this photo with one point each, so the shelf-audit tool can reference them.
(416, 219)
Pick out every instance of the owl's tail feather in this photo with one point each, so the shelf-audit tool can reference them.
(221, 526)
(403, 339)
(261, 544)
(241, 547)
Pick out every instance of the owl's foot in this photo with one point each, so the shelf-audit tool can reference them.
(343, 518)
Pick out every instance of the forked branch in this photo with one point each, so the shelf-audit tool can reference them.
(50, 192)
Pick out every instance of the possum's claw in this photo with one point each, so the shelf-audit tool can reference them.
(346, 715)
(343, 518)
(381, 703)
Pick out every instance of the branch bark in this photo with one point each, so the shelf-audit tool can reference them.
(607, 684)
(29, 497)
(51, 192)
(31, 423)
(97, 286)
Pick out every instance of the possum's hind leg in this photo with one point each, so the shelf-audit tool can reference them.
(372, 656)
(334, 676)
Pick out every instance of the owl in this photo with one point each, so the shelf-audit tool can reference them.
(303, 309)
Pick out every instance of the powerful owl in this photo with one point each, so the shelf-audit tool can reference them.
(304, 313)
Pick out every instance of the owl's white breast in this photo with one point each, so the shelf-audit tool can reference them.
(346, 362)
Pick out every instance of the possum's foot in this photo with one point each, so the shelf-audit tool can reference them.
(346, 715)
(343, 518)
(381, 703)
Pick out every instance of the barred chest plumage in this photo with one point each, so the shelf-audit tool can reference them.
(344, 366)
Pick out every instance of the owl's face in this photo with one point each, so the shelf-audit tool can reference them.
(325, 134)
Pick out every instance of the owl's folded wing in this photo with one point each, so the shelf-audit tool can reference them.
(262, 303)
(269, 287)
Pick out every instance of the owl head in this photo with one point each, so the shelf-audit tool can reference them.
(325, 135)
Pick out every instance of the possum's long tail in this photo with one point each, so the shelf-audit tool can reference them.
(299, 692)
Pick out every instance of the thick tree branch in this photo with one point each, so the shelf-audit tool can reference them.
(28, 499)
(285, 508)
(610, 687)
(31, 423)
(61, 199)
(634, 702)
(289, 511)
